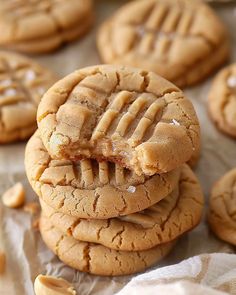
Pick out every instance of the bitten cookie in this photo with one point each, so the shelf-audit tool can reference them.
(168, 37)
(222, 100)
(22, 84)
(88, 189)
(161, 223)
(41, 26)
(221, 216)
(97, 259)
(121, 114)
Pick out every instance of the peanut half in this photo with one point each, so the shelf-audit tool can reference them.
(15, 196)
(49, 285)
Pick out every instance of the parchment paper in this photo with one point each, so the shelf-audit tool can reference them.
(27, 256)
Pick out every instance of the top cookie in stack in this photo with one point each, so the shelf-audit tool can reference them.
(125, 115)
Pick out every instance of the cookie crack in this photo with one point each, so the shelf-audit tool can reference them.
(87, 257)
(121, 211)
(95, 202)
(57, 246)
(118, 234)
(119, 263)
(102, 228)
(147, 194)
(142, 259)
(72, 228)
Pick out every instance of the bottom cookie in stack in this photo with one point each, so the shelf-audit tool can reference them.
(97, 259)
(127, 244)
(221, 214)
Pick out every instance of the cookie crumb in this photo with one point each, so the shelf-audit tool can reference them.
(2, 262)
(32, 208)
(15, 196)
(44, 284)
(131, 189)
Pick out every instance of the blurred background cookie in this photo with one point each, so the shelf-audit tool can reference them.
(22, 84)
(174, 38)
(222, 100)
(42, 26)
(221, 216)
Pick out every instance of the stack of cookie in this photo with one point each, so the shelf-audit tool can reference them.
(108, 163)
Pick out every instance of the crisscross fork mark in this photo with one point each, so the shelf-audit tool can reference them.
(170, 22)
(156, 34)
(112, 112)
(152, 106)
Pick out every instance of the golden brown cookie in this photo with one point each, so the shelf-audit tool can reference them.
(37, 26)
(22, 84)
(221, 216)
(97, 259)
(121, 114)
(161, 223)
(168, 37)
(88, 189)
(222, 100)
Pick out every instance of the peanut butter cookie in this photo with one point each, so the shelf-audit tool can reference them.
(88, 189)
(222, 100)
(37, 26)
(97, 259)
(121, 114)
(161, 223)
(168, 37)
(22, 84)
(222, 209)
